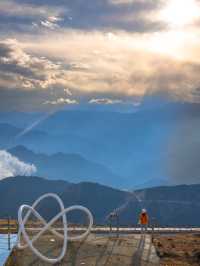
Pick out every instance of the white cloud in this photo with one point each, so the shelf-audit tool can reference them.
(104, 101)
(54, 19)
(12, 166)
(117, 2)
(68, 92)
(49, 24)
(61, 101)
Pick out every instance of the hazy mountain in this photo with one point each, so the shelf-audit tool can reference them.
(158, 142)
(15, 191)
(174, 206)
(19, 119)
(39, 140)
(9, 133)
(129, 144)
(100, 199)
(152, 183)
(168, 205)
(69, 167)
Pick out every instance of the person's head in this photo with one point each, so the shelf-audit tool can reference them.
(144, 211)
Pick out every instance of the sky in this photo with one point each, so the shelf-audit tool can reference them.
(97, 52)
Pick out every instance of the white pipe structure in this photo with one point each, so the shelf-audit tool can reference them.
(48, 226)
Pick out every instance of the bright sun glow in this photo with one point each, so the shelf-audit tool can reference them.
(178, 13)
(168, 43)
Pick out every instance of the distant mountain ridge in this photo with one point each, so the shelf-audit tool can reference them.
(69, 167)
(159, 142)
(19, 119)
(15, 191)
(9, 134)
(169, 206)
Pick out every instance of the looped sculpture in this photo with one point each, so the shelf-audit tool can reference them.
(48, 226)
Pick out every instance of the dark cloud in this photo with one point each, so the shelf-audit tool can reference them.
(105, 14)
(25, 70)
(89, 15)
(17, 69)
(18, 24)
(4, 50)
(11, 62)
(26, 18)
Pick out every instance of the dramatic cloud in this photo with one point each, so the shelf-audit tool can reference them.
(12, 166)
(89, 64)
(19, 69)
(26, 17)
(104, 49)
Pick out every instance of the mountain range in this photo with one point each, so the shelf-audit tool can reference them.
(69, 167)
(153, 145)
(169, 205)
(9, 136)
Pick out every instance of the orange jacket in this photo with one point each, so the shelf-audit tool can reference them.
(144, 219)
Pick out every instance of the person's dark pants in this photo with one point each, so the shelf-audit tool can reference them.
(143, 228)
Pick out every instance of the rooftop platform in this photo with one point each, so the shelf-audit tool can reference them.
(95, 250)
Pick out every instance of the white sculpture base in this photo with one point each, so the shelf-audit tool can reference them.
(48, 226)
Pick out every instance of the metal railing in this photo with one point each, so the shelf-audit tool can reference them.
(8, 231)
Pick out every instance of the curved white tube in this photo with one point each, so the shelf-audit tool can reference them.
(48, 226)
(48, 195)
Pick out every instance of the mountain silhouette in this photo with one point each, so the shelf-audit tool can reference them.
(168, 206)
(69, 167)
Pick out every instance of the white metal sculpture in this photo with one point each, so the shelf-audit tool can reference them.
(48, 226)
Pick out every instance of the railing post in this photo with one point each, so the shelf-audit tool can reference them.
(114, 218)
(117, 218)
(9, 244)
(153, 224)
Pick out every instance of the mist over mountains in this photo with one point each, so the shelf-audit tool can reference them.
(69, 167)
(157, 144)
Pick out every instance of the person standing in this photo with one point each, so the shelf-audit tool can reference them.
(144, 220)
